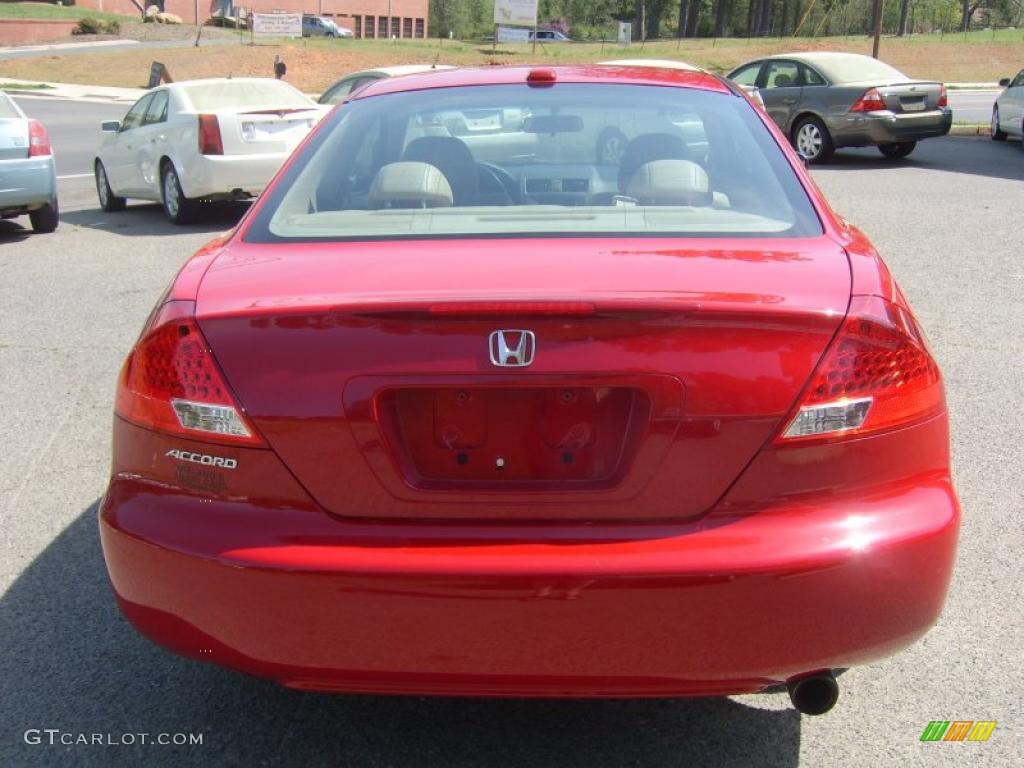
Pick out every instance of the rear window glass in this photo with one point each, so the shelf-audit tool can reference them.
(7, 108)
(241, 93)
(854, 69)
(509, 160)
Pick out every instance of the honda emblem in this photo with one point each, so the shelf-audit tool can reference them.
(512, 349)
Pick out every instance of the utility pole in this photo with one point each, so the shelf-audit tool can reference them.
(876, 25)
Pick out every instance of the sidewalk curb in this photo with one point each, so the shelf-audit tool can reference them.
(969, 130)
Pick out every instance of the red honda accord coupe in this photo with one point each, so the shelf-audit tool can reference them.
(465, 406)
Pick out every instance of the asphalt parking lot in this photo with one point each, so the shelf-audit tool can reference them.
(948, 220)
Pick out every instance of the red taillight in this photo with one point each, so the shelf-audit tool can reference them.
(209, 136)
(943, 98)
(172, 383)
(871, 101)
(876, 374)
(38, 141)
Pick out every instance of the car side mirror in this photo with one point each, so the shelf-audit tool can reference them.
(1004, 82)
(110, 126)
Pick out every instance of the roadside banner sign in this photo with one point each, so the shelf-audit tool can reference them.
(625, 32)
(277, 25)
(513, 34)
(157, 74)
(521, 13)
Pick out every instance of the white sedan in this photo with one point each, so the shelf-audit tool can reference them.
(199, 141)
(1008, 111)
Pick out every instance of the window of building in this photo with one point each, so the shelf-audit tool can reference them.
(419, 28)
(406, 27)
(396, 26)
(382, 26)
(371, 29)
(357, 25)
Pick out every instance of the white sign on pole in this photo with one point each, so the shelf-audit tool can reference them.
(513, 35)
(520, 12)
(625, 32)
(277, 24)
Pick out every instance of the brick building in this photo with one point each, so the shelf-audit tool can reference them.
(366, 18)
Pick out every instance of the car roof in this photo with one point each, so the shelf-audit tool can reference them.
(178, 84)
(813, 57)
(511, 75)
(666, 63)
(400, 70)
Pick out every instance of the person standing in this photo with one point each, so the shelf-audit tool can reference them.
(279, 68)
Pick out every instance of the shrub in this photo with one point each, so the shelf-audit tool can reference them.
(88, 27)
(112, 27)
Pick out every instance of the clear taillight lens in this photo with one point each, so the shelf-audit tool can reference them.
(172, 383)
(877, 374)
(871, 101)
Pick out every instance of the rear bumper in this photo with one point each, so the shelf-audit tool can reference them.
(858, 130)
(726, 604)
(27, 184)
(220, 176)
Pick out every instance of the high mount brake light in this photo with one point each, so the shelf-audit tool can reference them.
(871, 101)
(877, 374)
(38, 140)
(172, 383)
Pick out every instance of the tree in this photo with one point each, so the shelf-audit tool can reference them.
(684, 9)
(901, 27)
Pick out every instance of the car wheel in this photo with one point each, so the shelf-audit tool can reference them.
(610, 146)
(898, 150)
(812, 140)
(45, 219)
(108, 200)
(179, 209)
(997, 135)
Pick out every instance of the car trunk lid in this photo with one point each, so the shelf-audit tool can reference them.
(13, 138)
(265, 130)
(657, 368)
(909, 96)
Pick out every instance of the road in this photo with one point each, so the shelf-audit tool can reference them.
(74, 132)
(972, 106)
(107, 46)
(73, 303)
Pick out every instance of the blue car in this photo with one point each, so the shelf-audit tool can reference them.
(28, 174)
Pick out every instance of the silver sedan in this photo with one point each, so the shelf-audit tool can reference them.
(28, 175)
(1008, 111)
(823, 101)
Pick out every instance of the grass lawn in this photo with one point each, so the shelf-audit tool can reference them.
(56, 12)
(315, 63)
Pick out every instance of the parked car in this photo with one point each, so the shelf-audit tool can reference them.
(824, 101)
(426, 425)
(1008, 111)
(28, 174)
(199, 141)
(353, 81)
(321, 26)
(549, 36)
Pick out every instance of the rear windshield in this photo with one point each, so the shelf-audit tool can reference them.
(241, 93)
(855, 69)
(510, 160)
(7, 108)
